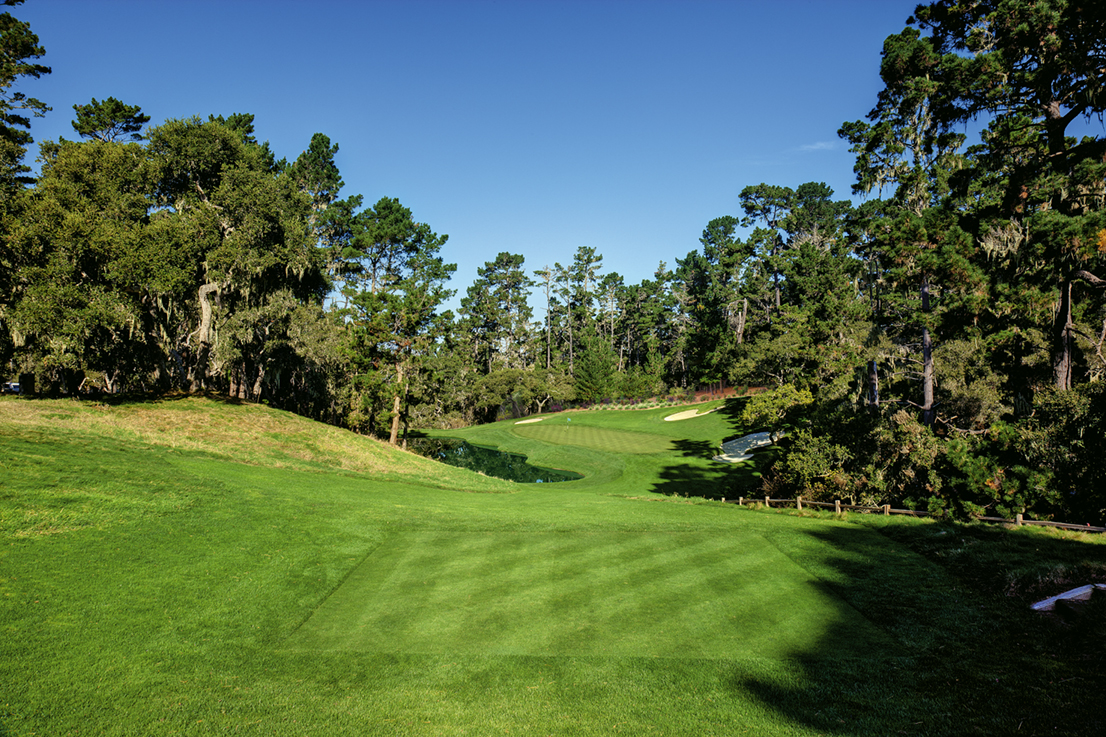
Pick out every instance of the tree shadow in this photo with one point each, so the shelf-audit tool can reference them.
(960, 657)
(695, 448)
(703, 477)
(130, 398)
(732, 410)
(140, 397)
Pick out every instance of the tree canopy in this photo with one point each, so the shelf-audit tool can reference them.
(939, 342)
(110, 120)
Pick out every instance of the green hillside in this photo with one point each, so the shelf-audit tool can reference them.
(194, 567)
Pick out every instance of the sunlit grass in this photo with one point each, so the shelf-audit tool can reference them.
(242, 432)
(623, 594)
(231, 573)
(633, 452)
(586, 436)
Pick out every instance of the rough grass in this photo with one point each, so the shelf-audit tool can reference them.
(242, 432)
(227, 582)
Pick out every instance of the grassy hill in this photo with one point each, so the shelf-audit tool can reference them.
(196, 567)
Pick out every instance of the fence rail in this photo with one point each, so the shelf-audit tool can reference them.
(886, 509)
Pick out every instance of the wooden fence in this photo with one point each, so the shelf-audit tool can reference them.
(838, 508)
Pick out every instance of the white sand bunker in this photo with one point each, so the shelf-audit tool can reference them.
(532, 419)
(686, 415)
(741, 449)
(1083, 593)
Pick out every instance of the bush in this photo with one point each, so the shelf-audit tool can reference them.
(815, 468)
(1066, 436)
(773, 409)
(985, 477)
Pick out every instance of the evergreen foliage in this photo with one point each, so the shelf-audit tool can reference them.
(110, 120)
(943, 341)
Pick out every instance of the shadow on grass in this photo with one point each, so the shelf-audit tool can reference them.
(136, 397)
(695, 448)
(702, 477)
(731, 410)
(488, 461)
(973, 661)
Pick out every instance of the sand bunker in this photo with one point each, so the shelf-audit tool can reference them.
(686, 415)
(1083, 593)
(527, 422)
(741, 449)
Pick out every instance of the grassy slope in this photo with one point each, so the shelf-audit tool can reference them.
(160, 566)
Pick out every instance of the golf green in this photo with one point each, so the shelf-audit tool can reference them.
(621, 594)
(599, 438)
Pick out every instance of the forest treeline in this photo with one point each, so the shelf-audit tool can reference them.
(940, 345)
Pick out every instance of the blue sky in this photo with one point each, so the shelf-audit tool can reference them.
(522, 126)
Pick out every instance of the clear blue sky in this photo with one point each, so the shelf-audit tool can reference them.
(522, 126)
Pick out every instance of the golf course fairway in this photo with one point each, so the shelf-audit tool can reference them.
(198, 567)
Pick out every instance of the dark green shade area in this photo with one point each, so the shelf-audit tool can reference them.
(488, 461)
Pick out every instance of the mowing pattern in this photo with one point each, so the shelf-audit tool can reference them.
(599, 438)
(610, 594)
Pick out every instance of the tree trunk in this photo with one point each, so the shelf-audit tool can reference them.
(548, 275)
(873, 385)
(776, 272)
(256, 394)
(741, 321)
(1061, 340)
(182, 370)
(396, 401)
(203, 337)
(571, 347)
(395, 420)
(406, 429)
(928, 410)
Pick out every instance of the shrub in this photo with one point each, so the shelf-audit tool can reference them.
(815, 468)
(775, 408)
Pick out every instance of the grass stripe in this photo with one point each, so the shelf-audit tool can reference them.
(586, 594)
(598, 438)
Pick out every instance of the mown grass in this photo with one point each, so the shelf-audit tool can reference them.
(598, 594)
(590, 436)
(631, 452)
(257, 582)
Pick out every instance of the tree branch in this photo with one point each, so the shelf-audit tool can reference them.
(1089, 278)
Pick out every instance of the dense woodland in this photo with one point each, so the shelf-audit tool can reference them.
(940, 344)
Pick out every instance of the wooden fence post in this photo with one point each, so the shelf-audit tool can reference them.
(886, 509)
(741, 501)
(837, 506)
(767, 502)
(1018, 519)
(799, 503)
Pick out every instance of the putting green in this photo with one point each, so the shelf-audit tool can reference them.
(599, 438)
(624, 594)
